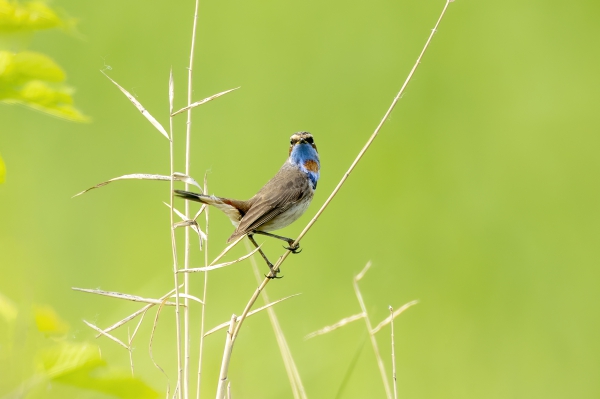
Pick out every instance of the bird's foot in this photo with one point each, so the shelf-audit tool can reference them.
(273, 274)
(295, 249)
(270, 277)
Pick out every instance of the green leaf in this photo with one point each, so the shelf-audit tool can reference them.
(81, 365)
(33, 79)
(67, 358)
(48, 321)
(30, 16)
(19, 68)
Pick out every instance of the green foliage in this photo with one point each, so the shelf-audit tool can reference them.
(49, 358)
(81, 365)
(48, 321)
(30, 78)
(30, 16)
(33, 79)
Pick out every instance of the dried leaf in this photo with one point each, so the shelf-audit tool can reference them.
(335, 326)
(107, 335)
(186, 179)
(127, 297)
(188, 296)
(143, 176)
(191, 223)
(223, 325)
(139, 106)
(220, 265)
(203, 101)
(397, 313)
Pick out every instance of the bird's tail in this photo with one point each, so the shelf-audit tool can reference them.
(232, 208)
(188, 195)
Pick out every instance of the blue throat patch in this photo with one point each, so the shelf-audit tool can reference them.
(302, 153)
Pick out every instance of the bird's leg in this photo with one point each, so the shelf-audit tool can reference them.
(294, 248)
(271, 275)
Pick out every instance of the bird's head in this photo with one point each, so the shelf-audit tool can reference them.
(303, 153)
(302, 138)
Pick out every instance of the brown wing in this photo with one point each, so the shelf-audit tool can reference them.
(288, 187)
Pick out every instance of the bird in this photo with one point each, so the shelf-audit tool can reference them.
(280, 202)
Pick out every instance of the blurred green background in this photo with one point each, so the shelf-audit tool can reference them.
(480, 198)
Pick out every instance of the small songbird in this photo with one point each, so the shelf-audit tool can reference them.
(280, 202)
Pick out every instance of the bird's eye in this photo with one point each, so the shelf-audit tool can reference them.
(309, 140)
(292, 142)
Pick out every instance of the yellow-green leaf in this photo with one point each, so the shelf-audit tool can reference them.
(48, 321)
(18, 68)
(33, 79)
(67, 358)
(7, 309)
(30, 16)
(80, 365)
(41, 96)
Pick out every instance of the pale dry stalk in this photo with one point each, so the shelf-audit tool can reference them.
(346, 175)
(291, 369)
(361, 302)
(222, 387)
(188, 137)
(173, 240)
(393, 355)
(204, 290)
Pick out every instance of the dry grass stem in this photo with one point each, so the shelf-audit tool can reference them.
(184, 177)
(347, 174)
(204, 291)
(377, 129)
(126, 297)
(140, 176)
(197, 103)
(372, 331)
(188, 149)
(335, 326)
(221, 388)
(202, 208)
(191, 223)
(393, 354)
(107, 335)
(220, 265)
(363, 307)
(397, 313)
(130, 353)
(183, 217)
(152, 354)
(142, 311)
(188, 296)
(255, 311)
(139, 106)
(291, 369)
(227, 249)
(364, 271)
(135, 331)
(173, 246)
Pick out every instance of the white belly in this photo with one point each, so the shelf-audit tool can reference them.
(287, 217)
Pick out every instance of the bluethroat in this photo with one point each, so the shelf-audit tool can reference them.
(279, 203)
